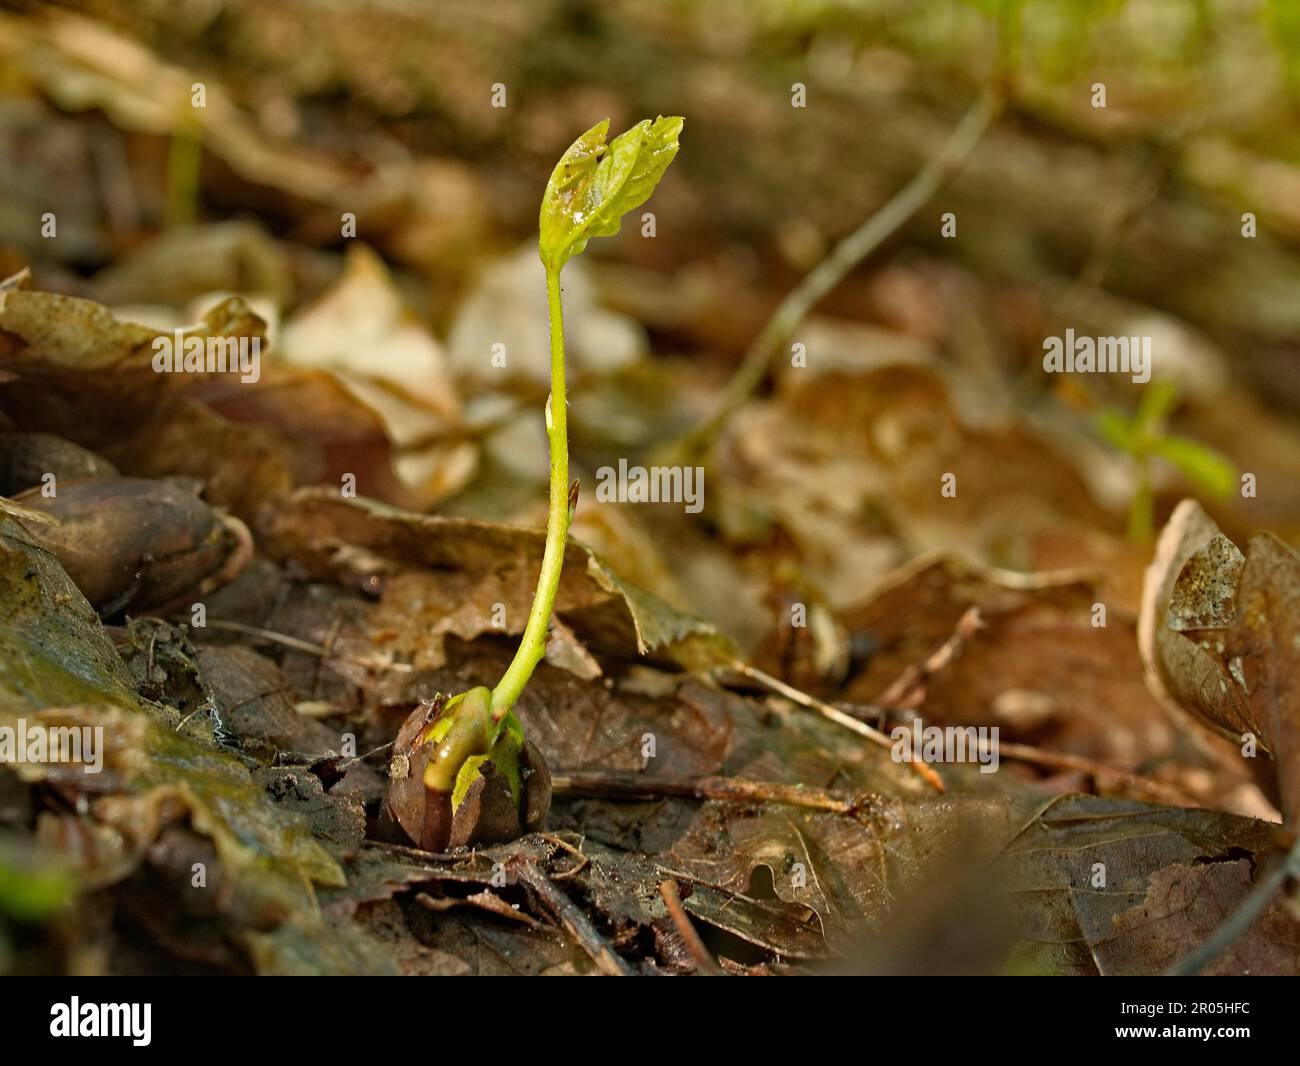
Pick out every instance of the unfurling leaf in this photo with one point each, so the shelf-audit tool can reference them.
(1203, 467)
(594, 185)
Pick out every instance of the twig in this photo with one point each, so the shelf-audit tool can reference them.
(1241, 919)
(733, 789)
(843, 718)
(319, 650)
(426, 857)
(344, 764)
(843, 258)
(267, 634)
(573, 921)
(583, 860)
(484, 901)
(1021, 752)
(686, 930)
(1063, 761)
(908, 690)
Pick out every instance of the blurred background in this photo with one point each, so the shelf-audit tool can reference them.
(1122, 220)
(365, 177)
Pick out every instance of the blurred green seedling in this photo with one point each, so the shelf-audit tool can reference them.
(1143, 436)
(590, 190)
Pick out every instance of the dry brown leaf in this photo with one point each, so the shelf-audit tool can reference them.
(1220, 637)
(438, 576)
(852, 467)
(77, 371)
(1036, 666)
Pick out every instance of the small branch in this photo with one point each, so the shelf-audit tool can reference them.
(1063, 761)
(426, 858)
(908, 690)
(686, 929)
(582, 863)
(846, 255)
(843, 718)
(573, 921)
(730, 789)
(282, 639)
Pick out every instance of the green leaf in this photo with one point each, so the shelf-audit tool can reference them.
(33, 886)
(1157, 401)
(594, 185)
(1116, 429)
(505, 757)
(1205, 468)
(465, 778)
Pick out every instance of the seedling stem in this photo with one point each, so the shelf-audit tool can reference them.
(533, 645)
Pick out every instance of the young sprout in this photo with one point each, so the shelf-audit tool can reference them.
(462, 771)
(1143, 437)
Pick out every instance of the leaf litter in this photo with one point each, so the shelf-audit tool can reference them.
(703, 819)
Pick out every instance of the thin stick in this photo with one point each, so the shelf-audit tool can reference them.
(843, 718)
(560, 842)
(844, 258)
(573, 921)
(686, 929)
(731, 789)
(908, 689)
(267, 634)
(1241, 919)
(419, 854)
(1063, 761)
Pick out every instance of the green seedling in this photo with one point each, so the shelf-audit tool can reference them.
(1143, 437)
(476, 737)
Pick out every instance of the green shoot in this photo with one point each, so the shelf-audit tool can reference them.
(592, 187)
(184, 159)
(1143, 437)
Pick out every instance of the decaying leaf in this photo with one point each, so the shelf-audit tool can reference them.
(58, 668)
(1220, 637)
(1051, 661)
(78, 371)
(1111, 886)
(361, 332)
(458, 570)
(854, 465)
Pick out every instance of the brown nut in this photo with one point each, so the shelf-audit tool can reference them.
(488, 813)
(132, 543)
(27, 458)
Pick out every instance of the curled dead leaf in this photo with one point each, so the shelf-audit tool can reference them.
(1220, 637)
